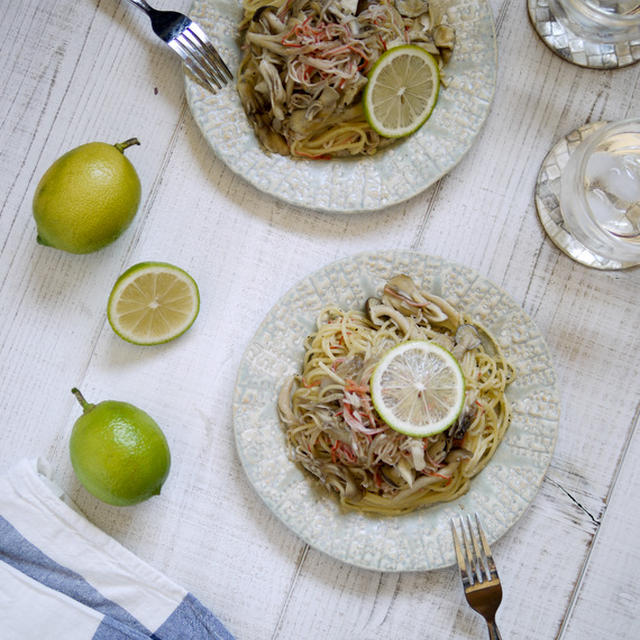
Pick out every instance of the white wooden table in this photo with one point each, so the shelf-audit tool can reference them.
(75, 71)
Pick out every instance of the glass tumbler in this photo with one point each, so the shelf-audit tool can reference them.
(599, 21)
(600, 191)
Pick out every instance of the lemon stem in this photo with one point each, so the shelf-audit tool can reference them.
(86, 406)
(121, 146)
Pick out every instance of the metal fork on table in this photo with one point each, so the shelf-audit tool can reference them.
(190, 42)
(478, 571)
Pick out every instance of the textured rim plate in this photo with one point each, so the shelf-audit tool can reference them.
(420, 540)
(359, 184)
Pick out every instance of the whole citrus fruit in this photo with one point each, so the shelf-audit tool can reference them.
(118, 452)
(87, 197)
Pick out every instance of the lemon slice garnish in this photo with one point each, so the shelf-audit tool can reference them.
(401, 91)
(418, 388)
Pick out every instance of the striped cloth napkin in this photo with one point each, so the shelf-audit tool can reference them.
(62, 577)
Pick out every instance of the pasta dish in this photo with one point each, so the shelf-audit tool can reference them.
(335, 433)
(305, 65)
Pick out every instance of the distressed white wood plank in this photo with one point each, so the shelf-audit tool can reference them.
(79, 72)
(610, 583)
(57, 300)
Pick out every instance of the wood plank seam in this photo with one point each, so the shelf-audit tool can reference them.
(415, 243)
(578, 584)
(292, 586)
(53, 121)
(575, 501)
(155, 186)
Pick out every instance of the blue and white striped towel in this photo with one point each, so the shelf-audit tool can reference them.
(62, 577)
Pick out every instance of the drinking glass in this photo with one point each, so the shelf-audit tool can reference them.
(600, 191)
(599, 21)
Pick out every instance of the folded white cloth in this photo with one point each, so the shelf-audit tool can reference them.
(62, 577)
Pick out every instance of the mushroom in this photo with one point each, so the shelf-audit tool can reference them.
(329, 96)
(284, 401)
(421, 35)
(298, 122)
(276, 90)
(444, 340)
(391, 477)
(417, 454)
(444, 38)
(352, 490)
(268, 18)
(402, 293)
(407, 473)
(369, 307)
(376, 310)
(457, 431)
(271, 140)
(411, 8)
(352, 91)
(267, 42)
(438, 308)
(457, 455)
(466, 338)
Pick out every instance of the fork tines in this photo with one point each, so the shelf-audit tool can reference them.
(476, 563)
(480, 580)
(200, 56)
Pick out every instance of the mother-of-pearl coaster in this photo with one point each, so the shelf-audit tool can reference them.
(574, 48)
(547, 198)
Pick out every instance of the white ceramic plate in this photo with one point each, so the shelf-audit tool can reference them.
(420, 540)
(360, 184)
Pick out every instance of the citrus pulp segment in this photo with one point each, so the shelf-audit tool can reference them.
(153, 302)
(401, 91)
(418, 388)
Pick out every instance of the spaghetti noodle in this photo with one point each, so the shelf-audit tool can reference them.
(305, 65)
(334, 432)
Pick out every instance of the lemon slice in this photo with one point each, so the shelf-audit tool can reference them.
(418, 388)
(401, 91)
(153, 302)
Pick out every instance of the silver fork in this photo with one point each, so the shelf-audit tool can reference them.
(190, 42)
(480, 580)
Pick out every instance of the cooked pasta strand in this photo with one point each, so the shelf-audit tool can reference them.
(334, 432)
(306, 62)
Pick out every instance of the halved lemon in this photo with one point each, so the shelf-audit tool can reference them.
(418, 388)
(153, 302)
(401, 91)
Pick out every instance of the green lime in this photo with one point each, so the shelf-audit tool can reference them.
(152, 303)
(418, 388)
(118, 452)
(401, 91)
(87, 197)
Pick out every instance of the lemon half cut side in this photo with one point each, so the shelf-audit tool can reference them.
(418, 388)
(152, 303)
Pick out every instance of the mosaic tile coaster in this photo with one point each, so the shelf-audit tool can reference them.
(576, 49)
(547, 198)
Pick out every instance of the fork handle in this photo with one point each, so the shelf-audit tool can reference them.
(142, 4)
(494, 634)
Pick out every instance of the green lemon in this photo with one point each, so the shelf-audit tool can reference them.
(87, 197)
(118, 452)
